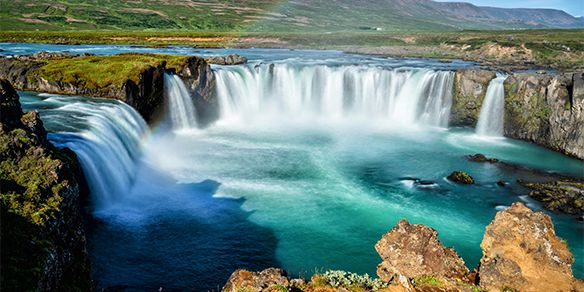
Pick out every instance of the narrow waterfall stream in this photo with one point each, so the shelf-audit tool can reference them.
(181, 110)
(492, 116)
(400, 96)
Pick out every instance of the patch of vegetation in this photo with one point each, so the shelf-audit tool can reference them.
(351, 281)
(105, 71)
(428, 280)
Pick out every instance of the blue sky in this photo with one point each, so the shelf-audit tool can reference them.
(574, 7)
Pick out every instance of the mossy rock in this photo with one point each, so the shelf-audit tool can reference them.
(461, 177)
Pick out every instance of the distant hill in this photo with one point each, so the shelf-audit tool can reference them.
(272, 15)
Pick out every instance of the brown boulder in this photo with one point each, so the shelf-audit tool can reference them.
(266, 280)
(413, 250)
(521, 251)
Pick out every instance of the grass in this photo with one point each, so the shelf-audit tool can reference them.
(105, 71)
(428, 280)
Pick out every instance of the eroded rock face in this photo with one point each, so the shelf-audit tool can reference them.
(547, 110)
(200, 80)
(470, 88)
(266, 280)
(413, 250)
(521, 251)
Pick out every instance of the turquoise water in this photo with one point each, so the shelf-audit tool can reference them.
(330, 191)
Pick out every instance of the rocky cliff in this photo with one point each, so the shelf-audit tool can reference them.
(544, 109)
(547, 110)
(43, 236)
(137, 79)
(520, 253)
(470, 88)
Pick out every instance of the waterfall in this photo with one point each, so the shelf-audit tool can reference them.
(491, 118)
(106, 137)
(400, 96)
(180, 105)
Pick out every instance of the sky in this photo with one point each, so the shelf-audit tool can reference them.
(574, 7)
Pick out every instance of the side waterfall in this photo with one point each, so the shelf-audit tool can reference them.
(491, 118)
(402, 96)
(108, 145)
(180, 105)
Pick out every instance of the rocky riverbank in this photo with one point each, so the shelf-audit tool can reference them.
(520, 253)
(43, 235)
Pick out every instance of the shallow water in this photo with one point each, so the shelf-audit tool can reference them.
(303, 193)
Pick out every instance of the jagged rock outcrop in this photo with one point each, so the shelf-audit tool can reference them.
(413, 250)
(233, 59)
(144, 92)
(199, 77)
(43, 237)
(470, 88)
(547, 110)
(521, 251)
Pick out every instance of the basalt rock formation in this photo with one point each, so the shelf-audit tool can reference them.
(520, 253)
(143, 90)
(43, 236)
(544, 109)
(470, 88)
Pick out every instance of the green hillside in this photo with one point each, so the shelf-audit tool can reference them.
(271, 15)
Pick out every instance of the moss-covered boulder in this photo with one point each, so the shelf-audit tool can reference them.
(42, 232)
(461, 177)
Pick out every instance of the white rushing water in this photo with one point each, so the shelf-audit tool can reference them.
(180, 105)
(491, 118)
(108, 146)
(400, 96)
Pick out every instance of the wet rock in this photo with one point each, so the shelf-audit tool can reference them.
(461, 177)
(413, 250)
(481, 158)
(565, 195)
(266, 280)
(522, 252)
(502, 183)
(226, 60)
(470, 88)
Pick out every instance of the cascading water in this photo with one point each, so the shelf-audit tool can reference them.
(491, 118)
(402, 96)
(180, 105)
(106, 137)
